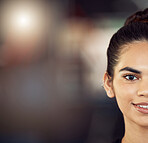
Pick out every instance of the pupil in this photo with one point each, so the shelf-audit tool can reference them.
(131, 77)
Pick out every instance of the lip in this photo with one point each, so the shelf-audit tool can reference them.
(141, 109)
(141, 103)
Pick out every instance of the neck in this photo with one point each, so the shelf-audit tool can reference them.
(134, 133)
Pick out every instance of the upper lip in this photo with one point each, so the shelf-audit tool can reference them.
(140, 103)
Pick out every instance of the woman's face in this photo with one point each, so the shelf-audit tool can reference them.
(130, 83)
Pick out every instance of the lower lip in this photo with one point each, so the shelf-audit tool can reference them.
(142, 110)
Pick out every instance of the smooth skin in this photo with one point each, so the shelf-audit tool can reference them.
(130, 86)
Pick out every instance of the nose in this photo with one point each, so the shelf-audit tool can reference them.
(143, 88)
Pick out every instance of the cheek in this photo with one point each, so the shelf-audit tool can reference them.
(124, 93)
(125, 90)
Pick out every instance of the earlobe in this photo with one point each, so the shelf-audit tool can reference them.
(108, 85)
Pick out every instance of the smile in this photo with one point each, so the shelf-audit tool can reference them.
(141, 107)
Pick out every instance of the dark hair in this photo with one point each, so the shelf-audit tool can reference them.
(134, 29)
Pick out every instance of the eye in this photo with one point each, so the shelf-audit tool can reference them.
(130, 77)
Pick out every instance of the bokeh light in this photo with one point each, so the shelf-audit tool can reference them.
(23, 17)
(22, 29)
(23, 20)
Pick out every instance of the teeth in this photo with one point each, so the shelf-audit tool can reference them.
(143, 106)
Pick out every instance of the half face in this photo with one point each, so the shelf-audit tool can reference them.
(130, 83)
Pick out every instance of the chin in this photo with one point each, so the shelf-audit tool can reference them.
(142, 122)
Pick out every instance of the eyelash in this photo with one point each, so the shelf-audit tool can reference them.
(128, 75)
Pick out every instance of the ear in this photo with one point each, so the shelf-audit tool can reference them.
(108, 85)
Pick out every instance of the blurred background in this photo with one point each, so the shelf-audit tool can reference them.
(52, 60)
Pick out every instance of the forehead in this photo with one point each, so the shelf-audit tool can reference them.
(134, 54)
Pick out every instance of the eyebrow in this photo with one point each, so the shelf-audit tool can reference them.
(131, 70)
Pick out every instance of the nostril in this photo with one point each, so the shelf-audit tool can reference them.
(143, 94)
(143, 91)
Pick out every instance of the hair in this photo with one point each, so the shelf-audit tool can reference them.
(134, 29)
